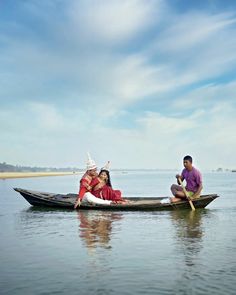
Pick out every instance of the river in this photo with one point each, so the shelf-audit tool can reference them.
(45, 251)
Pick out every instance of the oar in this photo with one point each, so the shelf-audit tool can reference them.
(186, 194)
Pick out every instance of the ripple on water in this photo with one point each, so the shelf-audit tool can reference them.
(45, 251)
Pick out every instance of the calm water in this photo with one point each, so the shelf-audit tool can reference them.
(46, 251)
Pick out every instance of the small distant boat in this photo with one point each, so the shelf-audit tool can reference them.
(44, 199)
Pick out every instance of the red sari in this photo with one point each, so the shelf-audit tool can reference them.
(105, 192)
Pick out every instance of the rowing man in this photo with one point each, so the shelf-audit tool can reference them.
(193, 179)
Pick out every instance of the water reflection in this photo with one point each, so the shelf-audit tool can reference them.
(95, 228)
(189, 232)
(44, 222)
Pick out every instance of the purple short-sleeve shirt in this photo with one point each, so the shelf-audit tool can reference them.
(193, 179)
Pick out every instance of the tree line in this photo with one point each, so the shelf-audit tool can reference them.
(4, 167)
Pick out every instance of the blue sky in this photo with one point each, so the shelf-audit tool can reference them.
(140, 83)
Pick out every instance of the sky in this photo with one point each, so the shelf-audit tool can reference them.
(140, 83)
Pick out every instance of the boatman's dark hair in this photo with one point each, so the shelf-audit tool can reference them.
(188, 158)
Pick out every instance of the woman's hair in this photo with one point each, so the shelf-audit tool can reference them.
(108, 176)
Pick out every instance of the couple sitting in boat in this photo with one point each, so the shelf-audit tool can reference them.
(96, 188)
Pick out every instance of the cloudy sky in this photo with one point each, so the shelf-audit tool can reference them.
(141, 83)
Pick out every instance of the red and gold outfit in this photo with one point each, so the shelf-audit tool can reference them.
(85, 185)
(104, 191)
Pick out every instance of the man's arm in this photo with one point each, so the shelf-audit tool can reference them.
(84, 187)
(198, 192)
(199, 183)
(179, 177)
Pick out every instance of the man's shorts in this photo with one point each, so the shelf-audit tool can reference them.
(190, 195)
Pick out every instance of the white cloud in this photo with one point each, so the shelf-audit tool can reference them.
(120, 79)
(46, 116)
(196, 46)
(206, 96)
(112, 21)
(158, 142)
(193, 29)
(133, 78)
(82, 72)
(166, 125)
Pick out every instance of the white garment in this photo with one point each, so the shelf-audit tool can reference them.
(165, 201)
(89, 198)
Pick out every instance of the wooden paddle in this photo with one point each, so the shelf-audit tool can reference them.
(186, 194)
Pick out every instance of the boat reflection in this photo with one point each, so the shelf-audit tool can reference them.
(95, 227)
(189, 232)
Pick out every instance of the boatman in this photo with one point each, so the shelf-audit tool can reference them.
(84, 194)
(193, 179)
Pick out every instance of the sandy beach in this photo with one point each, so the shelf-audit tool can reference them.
(7, 175)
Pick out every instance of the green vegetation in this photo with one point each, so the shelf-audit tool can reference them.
(4, 167)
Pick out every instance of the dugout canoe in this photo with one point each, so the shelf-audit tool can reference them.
(43, 199)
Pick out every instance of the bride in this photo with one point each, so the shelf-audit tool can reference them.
(102, 188)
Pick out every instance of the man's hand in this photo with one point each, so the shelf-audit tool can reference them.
(178, 177)
(88, 187)
(77, 203)
(192, 197)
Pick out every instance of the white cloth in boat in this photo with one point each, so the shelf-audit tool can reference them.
(89, 198)
(165, 201)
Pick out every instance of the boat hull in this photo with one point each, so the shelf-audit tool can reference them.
(42, 199)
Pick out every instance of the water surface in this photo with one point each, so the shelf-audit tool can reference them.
(45, 251)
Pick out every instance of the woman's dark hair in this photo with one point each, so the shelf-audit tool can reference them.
(108, 176)
(188, 158)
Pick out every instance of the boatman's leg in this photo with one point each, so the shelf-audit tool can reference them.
(178, 193)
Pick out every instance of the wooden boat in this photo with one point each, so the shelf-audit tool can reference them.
(37, 198)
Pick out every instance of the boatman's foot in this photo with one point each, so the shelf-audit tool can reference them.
(174, 200)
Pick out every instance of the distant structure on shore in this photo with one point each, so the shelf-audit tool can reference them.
(4, 167)
(223, 170)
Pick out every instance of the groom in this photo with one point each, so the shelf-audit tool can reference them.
(86, 180)
(85, 186)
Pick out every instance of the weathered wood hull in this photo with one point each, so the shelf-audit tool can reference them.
(36, 198)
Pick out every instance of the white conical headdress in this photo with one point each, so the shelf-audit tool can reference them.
(107, 166)
(90, 163)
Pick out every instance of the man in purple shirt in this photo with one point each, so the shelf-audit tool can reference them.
(193, 179)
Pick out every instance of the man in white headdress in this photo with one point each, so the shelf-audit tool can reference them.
(84, 194)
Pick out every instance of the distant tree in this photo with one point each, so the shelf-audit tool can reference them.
(4, 167)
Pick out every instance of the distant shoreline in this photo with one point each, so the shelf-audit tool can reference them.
(8, 175)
